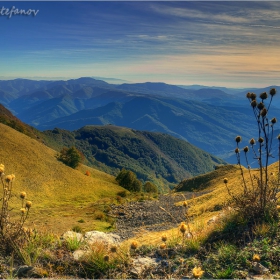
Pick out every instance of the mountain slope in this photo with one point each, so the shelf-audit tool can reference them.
(152, 156)
(56, 190)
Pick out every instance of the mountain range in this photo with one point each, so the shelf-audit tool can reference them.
(207, 117)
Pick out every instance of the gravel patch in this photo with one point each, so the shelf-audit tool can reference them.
(151, 215)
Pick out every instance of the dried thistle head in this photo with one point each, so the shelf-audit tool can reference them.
(28, 204)
(263, 95)
(246, 149)
(134, 245)
(22, 195)
(9, 178)
(260, 140)
(254, 103)
(274, 120)
(253, 96)
(106, 258)
(248, 95)
(162, 246)
(2, 169)
(113, 249)
(197, 272)
(183, 228)
(252, 141)
(164, 238)
(22, 211)
(236, 150)
(225, 180)
(185, 204)
(260, 106)
(263, 112)
(238, 139)
(256, 258)
(272, 91)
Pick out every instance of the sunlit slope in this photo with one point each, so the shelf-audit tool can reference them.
(50, 184)
(214, 201)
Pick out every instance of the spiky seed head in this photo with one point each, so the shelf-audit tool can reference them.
(272, 91)
(256, 258)
(278, 137)
(263, 95)
(113, 249)
(246, 149)
(9, 178)
(274, 120)
(253, 96)
(252, 141)
(238, 139)
(134, 245)
(2, 169)
(225, 180)
(106, 258)
(22, 211)
(236, 150)
(278, 207)
(263, 112)
(162, 246)
(197, 272)
(248, 95)
(164, 238)
(260, 106)
(28, 204)
(181, 260)
(22, 195)
(260, 140)
(254, 103)
(183, 228)
(185, 204)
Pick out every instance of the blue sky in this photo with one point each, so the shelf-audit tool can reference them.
(222, 43)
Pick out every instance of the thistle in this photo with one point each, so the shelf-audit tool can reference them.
(134, 245)
(164, 238)
(256, 258)
(263, 95)
(162, 246)
(272, 92)
(197, 272)
(238, 139)
(28, 204)
(22, 195)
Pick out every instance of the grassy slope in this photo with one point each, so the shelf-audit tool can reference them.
(60, 194)
(204, 207)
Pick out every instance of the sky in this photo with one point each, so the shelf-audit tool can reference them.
(222, 43)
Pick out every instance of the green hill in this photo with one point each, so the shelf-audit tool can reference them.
(156, 157)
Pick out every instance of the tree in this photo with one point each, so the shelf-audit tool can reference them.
(150, 187)
(70, 156)
(128, 180)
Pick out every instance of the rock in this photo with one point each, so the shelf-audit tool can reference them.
(22, 271)
(97, 236)
(259, 268)
(141, 264)
(78, 254)
(73, 235)
(212, 220)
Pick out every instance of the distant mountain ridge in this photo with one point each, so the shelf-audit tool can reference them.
(208, 117)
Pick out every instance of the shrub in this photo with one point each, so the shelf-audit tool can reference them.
(258, 201)
(70, 156)
(150, 187)
(128, 180)
(87, 173)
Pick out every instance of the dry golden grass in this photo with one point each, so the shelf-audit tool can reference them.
(61, 195)
(205, 207)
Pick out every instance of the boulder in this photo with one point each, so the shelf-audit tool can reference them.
(92, 237)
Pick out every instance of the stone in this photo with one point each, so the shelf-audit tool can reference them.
(73, 235)
(78, 254)
(92, 237)
(259, 268)
(140, 264)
